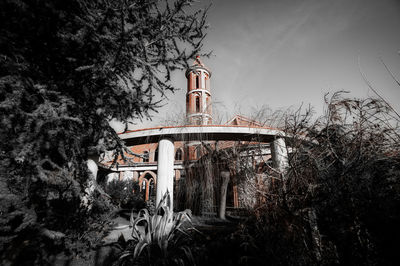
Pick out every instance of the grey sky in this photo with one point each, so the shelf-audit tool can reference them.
(283, 53)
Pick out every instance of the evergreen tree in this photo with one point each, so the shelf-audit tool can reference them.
(66, 69)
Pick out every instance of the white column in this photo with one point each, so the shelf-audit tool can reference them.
(135, 176)
(165, 171)
(93, 168)
(279, 155)
(91, 182)
(225, 176)
(203, 79)
(203, 108)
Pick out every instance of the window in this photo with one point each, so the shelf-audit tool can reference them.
(143, 189)
(146, 157)
(197, 81)
(197, 104)
(156, 155)
(149, 188)
(178, 155)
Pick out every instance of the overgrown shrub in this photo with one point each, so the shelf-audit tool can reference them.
(339, 201)
(125, 193)
(71, 230)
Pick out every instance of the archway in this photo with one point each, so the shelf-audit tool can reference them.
(147, 183)
(178, 154)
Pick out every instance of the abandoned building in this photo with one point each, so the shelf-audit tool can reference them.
(197, 161)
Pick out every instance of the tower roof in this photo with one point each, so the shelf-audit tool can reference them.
(198, 64)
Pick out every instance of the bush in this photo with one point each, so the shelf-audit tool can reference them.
(125, 194)
(159, 239)
(340, 199)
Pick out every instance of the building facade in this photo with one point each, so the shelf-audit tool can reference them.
(188, 153)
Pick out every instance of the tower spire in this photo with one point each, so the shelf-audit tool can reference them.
(197, 61)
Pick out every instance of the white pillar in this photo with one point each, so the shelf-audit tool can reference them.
(203, 79)
(135, 176)
(279, 155)
(165, 171)
(93, 168)
(225, 176)
(91, 182)
(204, 108)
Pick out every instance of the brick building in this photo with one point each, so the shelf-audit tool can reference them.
(144, 170)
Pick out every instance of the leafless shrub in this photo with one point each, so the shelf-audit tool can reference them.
(336, 206)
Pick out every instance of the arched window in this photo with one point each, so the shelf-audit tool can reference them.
(143, 189)
(146, 157)
(156, 155)
(178, 155)
(197, 81)
(149, 188)
(152, 191)
(197, 104)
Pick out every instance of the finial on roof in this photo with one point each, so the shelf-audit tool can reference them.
(197, 65)
(197, 61)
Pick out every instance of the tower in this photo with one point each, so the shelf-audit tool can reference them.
(198, 97)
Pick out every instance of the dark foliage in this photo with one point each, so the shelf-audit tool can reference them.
(66, 69)
(339, 202)
(125, 194)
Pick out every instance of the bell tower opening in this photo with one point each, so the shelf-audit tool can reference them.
(197, 104)
(197, 82)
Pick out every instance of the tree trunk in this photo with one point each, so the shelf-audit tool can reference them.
(224, 188)
(208, 191)
(316, 237)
